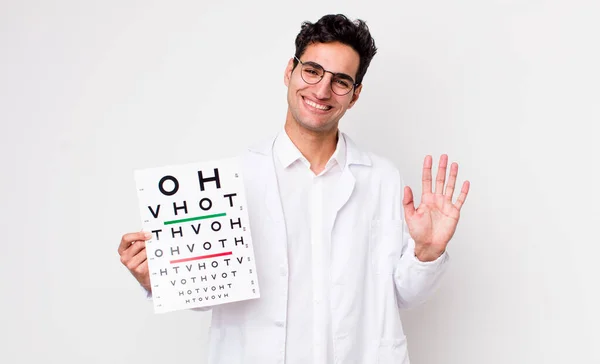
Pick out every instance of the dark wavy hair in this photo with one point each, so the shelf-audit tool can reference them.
(338, 28)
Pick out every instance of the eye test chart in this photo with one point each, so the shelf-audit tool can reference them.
(201, 252)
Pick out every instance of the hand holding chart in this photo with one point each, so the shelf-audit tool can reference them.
(200, 253)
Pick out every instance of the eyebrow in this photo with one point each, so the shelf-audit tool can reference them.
(338, 74)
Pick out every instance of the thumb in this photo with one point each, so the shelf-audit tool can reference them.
(408, 203)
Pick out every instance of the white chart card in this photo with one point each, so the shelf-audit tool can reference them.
(201, 250)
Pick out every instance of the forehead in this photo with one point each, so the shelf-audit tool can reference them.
(335, 57)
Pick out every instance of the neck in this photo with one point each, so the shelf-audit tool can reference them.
(316, 146)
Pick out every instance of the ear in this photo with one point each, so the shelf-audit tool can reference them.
(288, 72)
(355, 95)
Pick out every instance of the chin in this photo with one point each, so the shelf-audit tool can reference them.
(317, 126)
(310, 123)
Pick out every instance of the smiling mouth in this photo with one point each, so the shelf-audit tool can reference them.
(316, 106)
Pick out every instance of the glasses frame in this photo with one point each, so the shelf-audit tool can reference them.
(354, 84)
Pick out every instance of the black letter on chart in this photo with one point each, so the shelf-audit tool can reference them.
(210, 179)
(175, 187)
(230, 195)
(176, 208)
(196, 230)
(238, 222)
(156, 232)
(155, 214)
(173, 232)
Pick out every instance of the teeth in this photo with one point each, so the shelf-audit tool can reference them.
(316, 106)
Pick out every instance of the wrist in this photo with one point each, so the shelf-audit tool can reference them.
(428, 256)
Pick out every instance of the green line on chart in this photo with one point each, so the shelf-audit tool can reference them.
(193, 219)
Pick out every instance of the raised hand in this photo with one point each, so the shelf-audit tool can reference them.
(433, 223)
(132, 250)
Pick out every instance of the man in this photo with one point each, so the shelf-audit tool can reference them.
(339, 245)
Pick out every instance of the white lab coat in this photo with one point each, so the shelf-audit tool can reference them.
(373, 271)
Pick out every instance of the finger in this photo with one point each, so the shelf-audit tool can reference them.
(136, 260)
(427, 174)
(142, 273)
(463, 195)
(408, 202)
(127, 239)
(134, 249)
(441, 175)
(451, 182)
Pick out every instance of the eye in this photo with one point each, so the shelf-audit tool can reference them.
(312, 71)
(342, 82)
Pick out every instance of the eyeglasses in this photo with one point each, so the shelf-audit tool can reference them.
(312, 73)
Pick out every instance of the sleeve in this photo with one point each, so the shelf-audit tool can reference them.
(415, 281)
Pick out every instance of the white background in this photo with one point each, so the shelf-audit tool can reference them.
(90, 91)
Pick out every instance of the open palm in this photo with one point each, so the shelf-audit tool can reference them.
(433, 223)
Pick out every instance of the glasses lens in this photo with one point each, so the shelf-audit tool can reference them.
(341, 86)
(311, 73)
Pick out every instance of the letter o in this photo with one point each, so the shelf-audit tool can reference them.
(207, 244)
(158, 253)
(214, 264)
(183, 281)
(224, 275)
(212, 226)
(202, 203)
(175, 187)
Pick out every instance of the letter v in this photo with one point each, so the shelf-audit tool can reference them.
(196, 230)
(155, 214)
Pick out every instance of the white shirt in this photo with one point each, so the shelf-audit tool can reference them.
(306, 199)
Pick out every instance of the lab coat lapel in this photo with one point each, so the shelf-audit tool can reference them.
(272, 222)
(343, 193)
(264, 171)
(354, 156)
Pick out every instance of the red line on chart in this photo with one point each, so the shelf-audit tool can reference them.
(200, 257)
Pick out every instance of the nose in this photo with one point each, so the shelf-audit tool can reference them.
(323, 88)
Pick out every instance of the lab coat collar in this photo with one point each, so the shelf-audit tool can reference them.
(273, 207)
(287, 153)
(354, 155)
